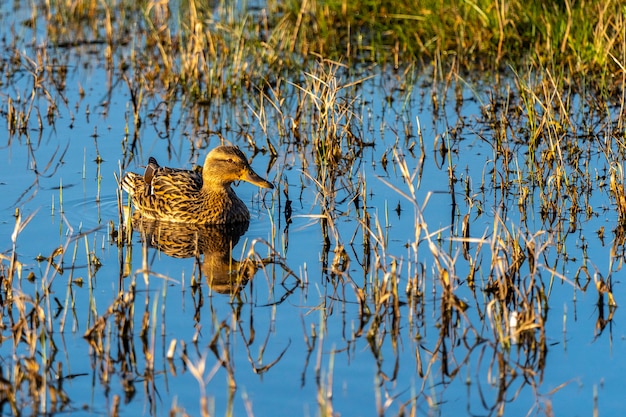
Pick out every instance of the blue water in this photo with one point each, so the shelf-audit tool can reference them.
(306, 329)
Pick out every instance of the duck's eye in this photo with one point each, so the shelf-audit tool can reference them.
(229, 160)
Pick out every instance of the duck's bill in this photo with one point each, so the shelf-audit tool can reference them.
(253, 178)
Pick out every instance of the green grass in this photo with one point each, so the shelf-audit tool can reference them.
(583, 36)
(213, 52)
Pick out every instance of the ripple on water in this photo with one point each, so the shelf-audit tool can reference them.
(91, 213)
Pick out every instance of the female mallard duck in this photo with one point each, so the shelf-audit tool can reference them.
(182, 196)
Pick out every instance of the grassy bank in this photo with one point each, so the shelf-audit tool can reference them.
(583, 35)
(209, 48)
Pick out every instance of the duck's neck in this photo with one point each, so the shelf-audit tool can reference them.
(217, 189)
(223, 205)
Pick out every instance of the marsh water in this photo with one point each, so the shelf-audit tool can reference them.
(419, 254)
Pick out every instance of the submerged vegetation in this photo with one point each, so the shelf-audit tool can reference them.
(439, 251)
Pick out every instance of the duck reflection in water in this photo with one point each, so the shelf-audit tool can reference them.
(213, 241)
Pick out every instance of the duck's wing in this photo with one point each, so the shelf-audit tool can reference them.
(164, 193)
(168, 183)
(171, 195)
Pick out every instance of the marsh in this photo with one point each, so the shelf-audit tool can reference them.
(445, 235)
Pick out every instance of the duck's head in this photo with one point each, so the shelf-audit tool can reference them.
(226, 164)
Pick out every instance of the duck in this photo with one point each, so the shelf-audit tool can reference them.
(184, 196)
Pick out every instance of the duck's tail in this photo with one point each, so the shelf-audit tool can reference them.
(132, 182)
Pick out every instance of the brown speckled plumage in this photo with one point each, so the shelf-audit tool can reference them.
(183, 196)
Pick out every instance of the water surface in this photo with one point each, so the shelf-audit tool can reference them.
(321, 326)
